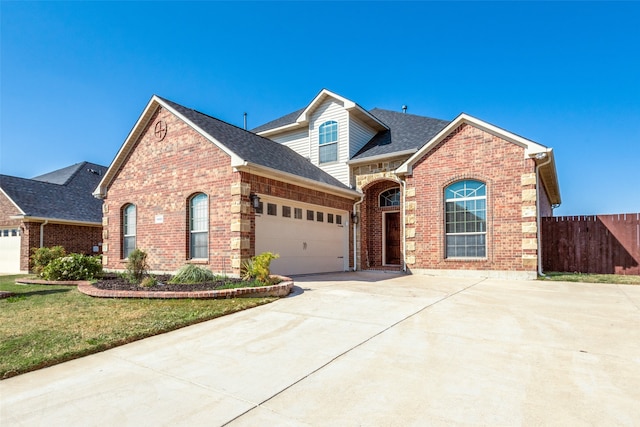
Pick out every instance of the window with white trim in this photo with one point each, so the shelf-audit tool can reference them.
(128, 230)
(199, 226)
(466, 219)
(328, 142)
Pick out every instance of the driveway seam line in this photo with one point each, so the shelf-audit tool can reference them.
(627, 296)
(260, 404)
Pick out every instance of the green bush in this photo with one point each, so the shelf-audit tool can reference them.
(190, 273)
(41, 257)
(257, 268)
(148, 282)
(73, 267)
(136, 265)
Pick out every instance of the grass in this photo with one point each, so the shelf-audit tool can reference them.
(42, 325)
(593, 278)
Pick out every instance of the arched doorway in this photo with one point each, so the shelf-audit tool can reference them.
(382, 225)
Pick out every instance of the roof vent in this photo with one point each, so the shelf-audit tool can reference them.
(404, 108)
(93, 171)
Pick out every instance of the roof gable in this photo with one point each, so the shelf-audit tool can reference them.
(246, 149)
(542, 155)
(301, 118)
(406, 134)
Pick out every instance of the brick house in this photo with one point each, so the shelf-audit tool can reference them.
(56, 208)
(330, 187)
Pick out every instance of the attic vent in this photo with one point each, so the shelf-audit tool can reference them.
(404, 108)
(93, 171)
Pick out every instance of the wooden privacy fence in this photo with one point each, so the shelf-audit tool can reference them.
(604, 244)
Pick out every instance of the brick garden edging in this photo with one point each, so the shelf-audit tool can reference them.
(282, 289)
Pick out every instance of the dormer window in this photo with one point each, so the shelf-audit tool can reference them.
(328, 142)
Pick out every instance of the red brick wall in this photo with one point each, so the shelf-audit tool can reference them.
(74, 239)
(159, 177)
(470, 153)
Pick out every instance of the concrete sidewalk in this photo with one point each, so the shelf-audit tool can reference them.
(366, 349)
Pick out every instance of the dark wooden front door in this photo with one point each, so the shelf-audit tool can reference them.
(392, 238)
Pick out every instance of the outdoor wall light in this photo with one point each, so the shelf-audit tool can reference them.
(255, 201)
(354, 218)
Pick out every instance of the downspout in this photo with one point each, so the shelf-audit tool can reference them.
(46, 221)
(355, 246)
(538, 219)
(404, 224)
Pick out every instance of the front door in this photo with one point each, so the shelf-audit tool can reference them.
(392, 238)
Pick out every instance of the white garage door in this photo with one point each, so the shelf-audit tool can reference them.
(9, 251)
(308, 238)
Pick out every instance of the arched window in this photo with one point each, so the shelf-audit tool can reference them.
(390, 197)
(199, 226)
(128, 230)
(466, 219)
(328, 142)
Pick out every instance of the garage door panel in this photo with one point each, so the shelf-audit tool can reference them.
(10, 254)
(304, 246)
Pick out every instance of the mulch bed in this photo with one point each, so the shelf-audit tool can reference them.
(114, 282)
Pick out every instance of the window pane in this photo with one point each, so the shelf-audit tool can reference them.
(328, 153)
(330, 218)
(286, 211)
(272, 209)
(320, 216)
(199, 216)
(390, 197)
(129, 246)
(199, 226)
(297, 213)
(310, 215)
(199, 244)
(339, 219)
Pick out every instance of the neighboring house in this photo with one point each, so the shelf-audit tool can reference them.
(330, 187)
(52, 209)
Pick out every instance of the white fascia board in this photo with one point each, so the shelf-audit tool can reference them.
(155, 102)
(304, 116)
(298, 180)
(290, 126)
(530, 147)
(27, 218)
(382, 156)
(12, 202)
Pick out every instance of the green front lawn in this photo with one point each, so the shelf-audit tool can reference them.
(42, 325)
(592, 278)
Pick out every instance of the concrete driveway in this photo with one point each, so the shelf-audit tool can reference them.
(367, 349)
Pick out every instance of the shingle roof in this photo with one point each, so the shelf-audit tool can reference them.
(282, 121)
(406, 132)
(64, 194)
(256, 149)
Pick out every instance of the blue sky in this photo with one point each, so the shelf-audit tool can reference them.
(75, 76)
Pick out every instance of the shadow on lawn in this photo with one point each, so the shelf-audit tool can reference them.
(42, 292)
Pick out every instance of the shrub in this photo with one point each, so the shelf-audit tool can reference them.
(136, 265)
(190, 273)
(41, 257)
(148, 282)
(257, 268)
(73, 267)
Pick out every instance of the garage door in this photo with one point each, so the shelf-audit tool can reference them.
(308, 238)
(9, 251)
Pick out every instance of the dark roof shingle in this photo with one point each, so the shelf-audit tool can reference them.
(406, 132)
(256, 149)
(64, 194)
